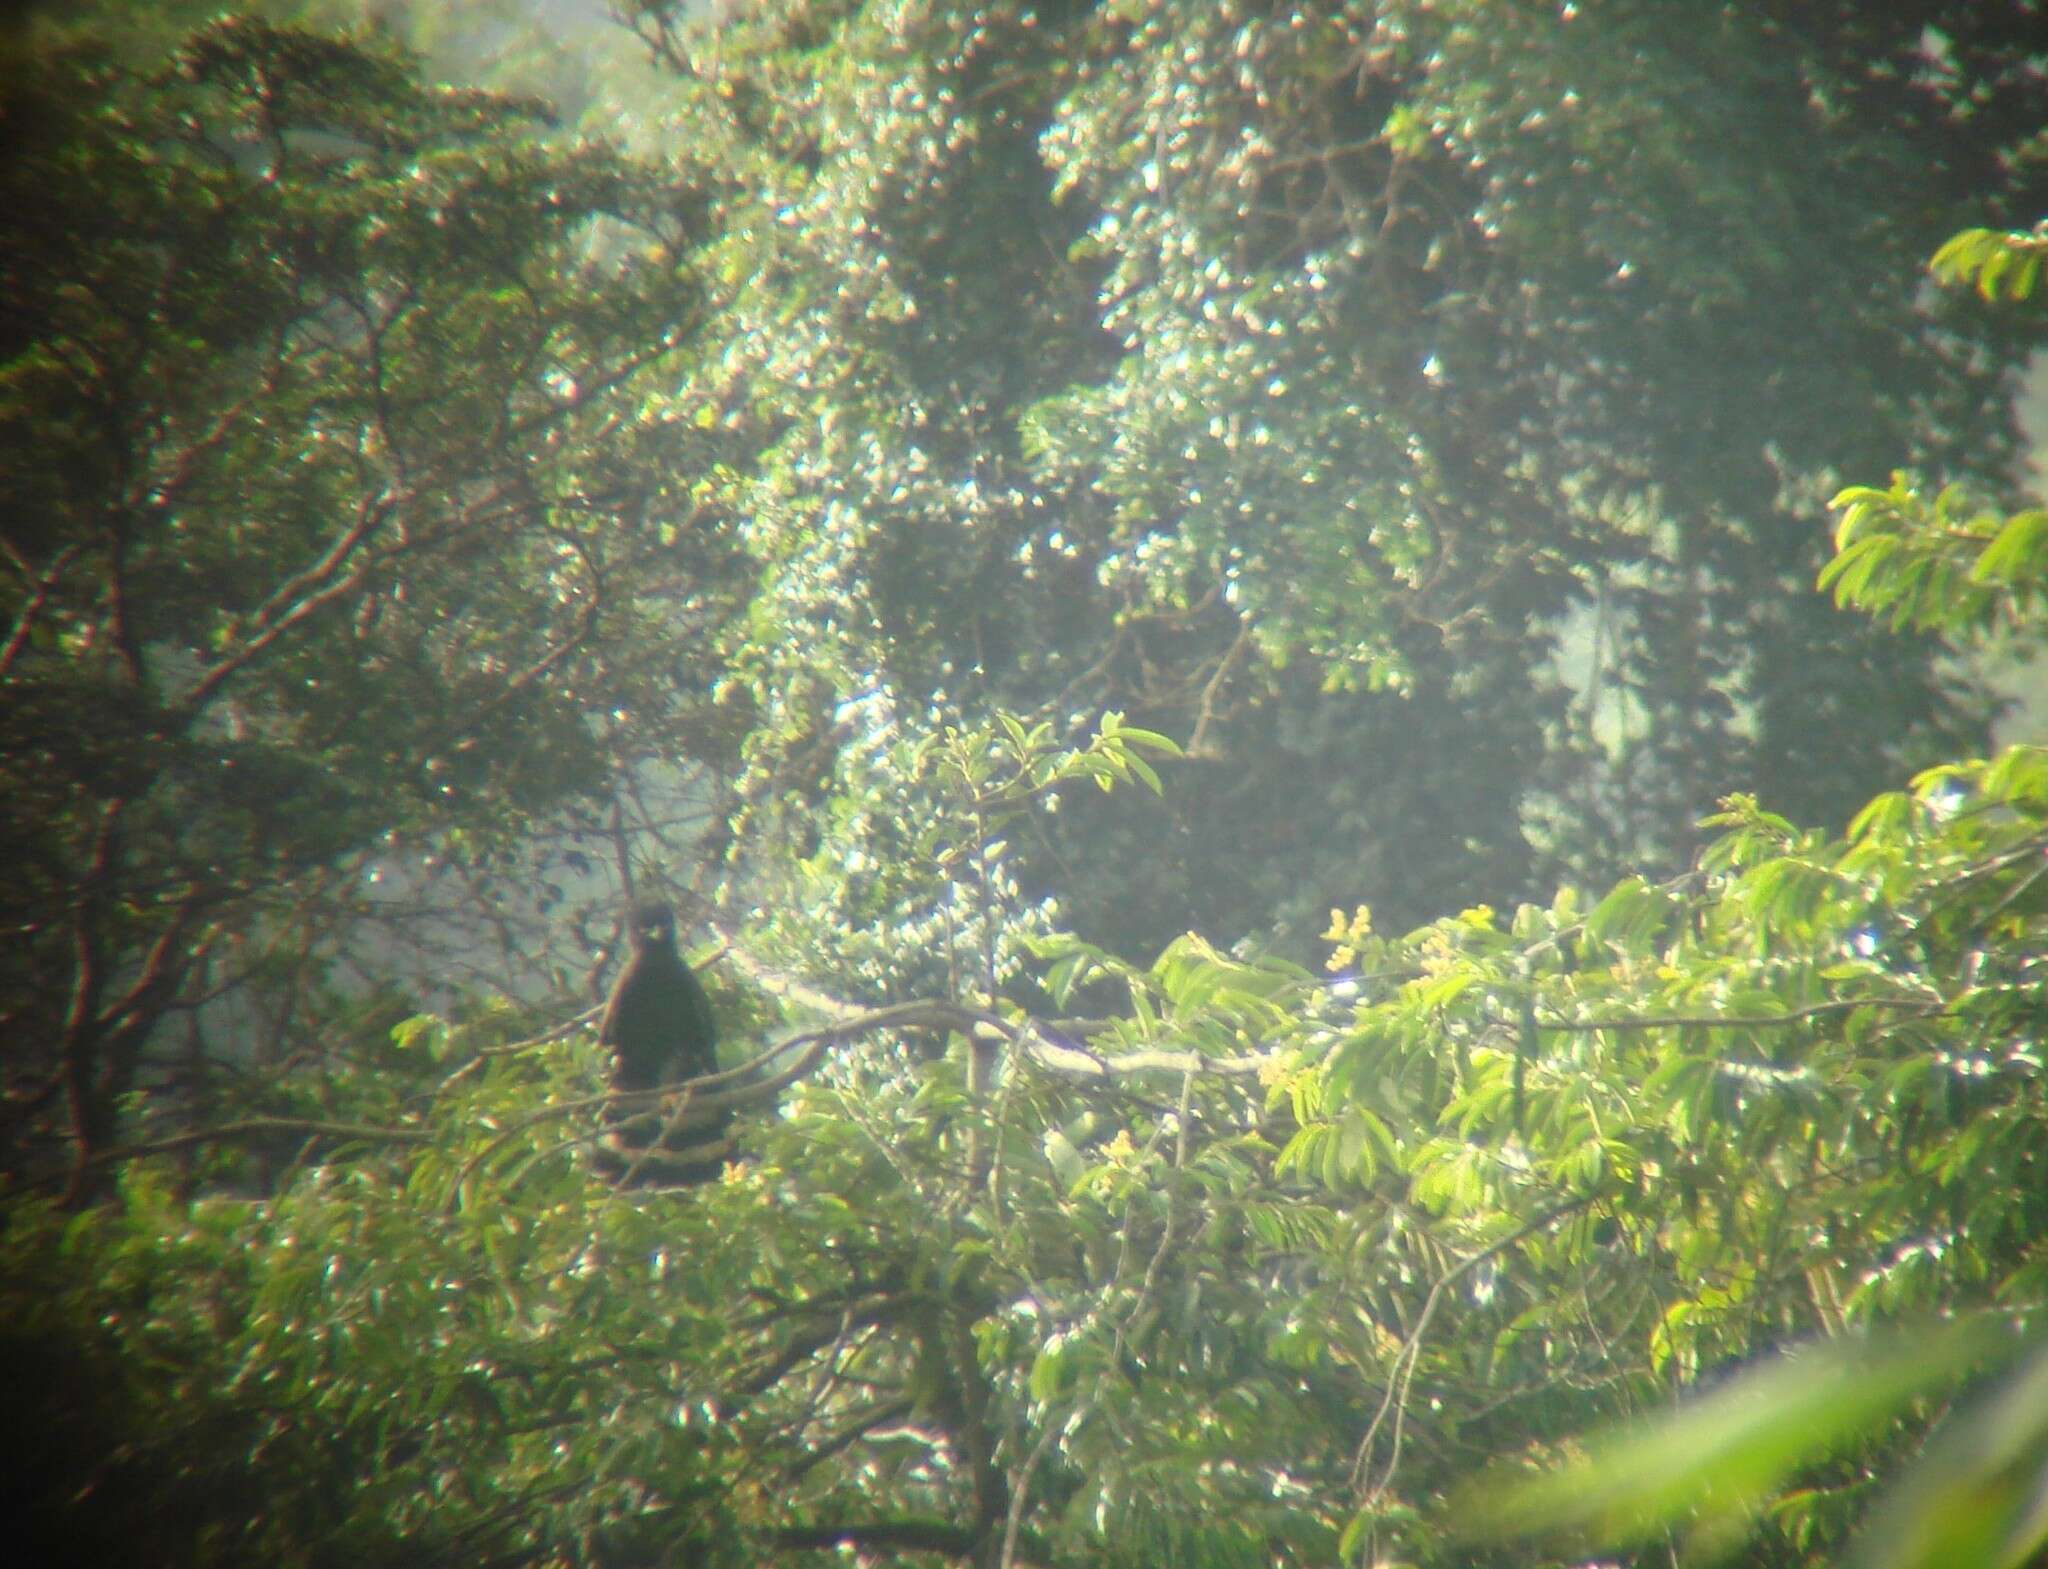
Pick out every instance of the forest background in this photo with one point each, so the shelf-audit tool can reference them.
(1320, 681)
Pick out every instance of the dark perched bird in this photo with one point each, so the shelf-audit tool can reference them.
(661, 1031)
(658, 1020)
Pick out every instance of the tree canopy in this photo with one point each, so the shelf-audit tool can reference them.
(1420, 412)
(1337, 829)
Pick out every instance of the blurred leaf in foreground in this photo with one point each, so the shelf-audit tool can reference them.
(1977, 1496)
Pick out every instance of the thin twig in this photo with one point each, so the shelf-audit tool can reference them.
(1406, 1358)
(1918, 1008)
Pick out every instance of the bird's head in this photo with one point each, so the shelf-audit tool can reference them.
(652, 925)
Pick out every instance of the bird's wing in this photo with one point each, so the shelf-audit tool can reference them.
(703, 1031)
(608, 1026)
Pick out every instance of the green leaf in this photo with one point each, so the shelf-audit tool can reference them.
(1979, 1495)
(2019, 552)
(1152, 740)
(1049, 1369)
(1728, 1449)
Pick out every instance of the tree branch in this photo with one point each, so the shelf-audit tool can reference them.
(1917, 1007)
(24, 623)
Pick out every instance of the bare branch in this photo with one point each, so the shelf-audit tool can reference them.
(1921, 1008)
(1081, 1063)
(24, 623)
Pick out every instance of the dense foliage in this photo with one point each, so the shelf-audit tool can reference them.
(1419, 410)
(1014, 512)
(338, 542)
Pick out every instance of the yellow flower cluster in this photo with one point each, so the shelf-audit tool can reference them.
(1347, 932)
